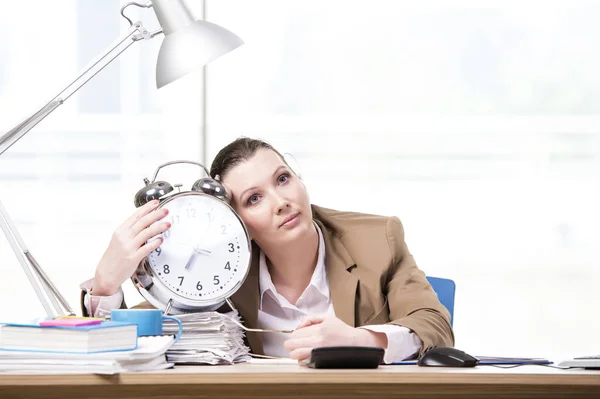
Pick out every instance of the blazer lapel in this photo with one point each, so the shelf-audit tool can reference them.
(246, 300)
(342, 283)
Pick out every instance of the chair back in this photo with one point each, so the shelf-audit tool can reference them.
(445, 289)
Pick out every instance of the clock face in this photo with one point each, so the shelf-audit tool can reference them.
(205, 255)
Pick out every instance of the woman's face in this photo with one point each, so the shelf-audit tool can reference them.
(271, 200)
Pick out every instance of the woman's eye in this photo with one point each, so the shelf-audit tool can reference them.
(283, 178)
(253, 199)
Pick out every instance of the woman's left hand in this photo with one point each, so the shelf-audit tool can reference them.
(327, 330)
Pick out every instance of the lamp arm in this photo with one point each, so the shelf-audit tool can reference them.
(16, 133)
(47, 293)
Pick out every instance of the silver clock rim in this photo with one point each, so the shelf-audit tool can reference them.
(156, 292)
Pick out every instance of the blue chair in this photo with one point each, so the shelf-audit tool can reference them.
(445, 289)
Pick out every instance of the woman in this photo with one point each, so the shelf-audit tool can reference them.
(336, 278)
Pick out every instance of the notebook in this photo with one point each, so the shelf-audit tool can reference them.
(587, 362)
(149, 355)
(106, 336)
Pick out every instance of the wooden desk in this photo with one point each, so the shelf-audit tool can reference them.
(292, 381)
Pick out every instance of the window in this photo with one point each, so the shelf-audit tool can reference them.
(476, 123)
(70, 182)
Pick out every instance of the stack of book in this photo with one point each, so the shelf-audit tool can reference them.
(80, 346)
(207, 338)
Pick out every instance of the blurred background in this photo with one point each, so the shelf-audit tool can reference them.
(477, 123)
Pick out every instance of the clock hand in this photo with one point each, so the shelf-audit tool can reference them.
(196, 251)
(201, 251)
(190, 261)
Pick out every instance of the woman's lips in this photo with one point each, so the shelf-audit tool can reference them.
(288, 221)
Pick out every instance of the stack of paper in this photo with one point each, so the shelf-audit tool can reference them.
(207, 338)
(149, 355)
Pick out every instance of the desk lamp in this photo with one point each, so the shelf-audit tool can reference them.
(187, 45)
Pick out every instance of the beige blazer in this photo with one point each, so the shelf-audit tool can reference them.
(373, 279)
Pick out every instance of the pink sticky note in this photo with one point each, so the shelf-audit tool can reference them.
(69, 322)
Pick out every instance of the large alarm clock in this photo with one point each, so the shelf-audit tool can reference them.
(204, 257)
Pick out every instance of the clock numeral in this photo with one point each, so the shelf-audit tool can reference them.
(223, 229)
(166, 269)
(158, 250)
(199, 286)
(175, 219)
(166, 234)
(211, 217)
(231, 247)
(227, 266)
(191, 212)
(216, 280)
(180, 280)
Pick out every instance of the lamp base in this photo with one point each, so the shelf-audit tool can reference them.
(51, 299)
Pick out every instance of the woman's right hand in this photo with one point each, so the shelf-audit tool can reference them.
(128, 247)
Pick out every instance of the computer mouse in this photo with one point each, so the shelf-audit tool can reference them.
(444, 356)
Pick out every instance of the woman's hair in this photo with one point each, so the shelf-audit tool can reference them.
(236, 152)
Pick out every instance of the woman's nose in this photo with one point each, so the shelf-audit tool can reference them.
(281, 204)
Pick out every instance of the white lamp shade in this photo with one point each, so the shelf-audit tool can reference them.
(190, 48)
